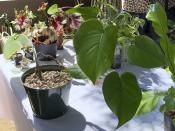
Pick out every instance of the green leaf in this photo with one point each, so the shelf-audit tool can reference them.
(122, 95)
(146, 53)
(15, 43)
(149, 102)
(157, 15)
(24, 40)
(95, 46)
(76, 72)
(52, 9)
(86, 12)
(111, 11)
(169, 101)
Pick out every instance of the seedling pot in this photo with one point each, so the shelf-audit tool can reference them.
(18, 58)
(168, 125)
(29, 54)
(48, 103)
(48, 50)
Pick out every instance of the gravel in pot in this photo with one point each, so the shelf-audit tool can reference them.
(48, 97)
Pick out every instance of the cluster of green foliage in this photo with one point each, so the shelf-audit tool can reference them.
(18, 41)
(95, 43)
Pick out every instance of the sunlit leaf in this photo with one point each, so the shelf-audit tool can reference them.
(122, 95)
(95, 46)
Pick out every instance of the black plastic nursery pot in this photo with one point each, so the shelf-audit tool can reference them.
(17, 58)
(47, 50)
(48, 103)
(168, 125)
(29, 54)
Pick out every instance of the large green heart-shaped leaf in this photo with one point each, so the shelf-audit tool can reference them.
(95, 46)
(86, 12)
(15, 43)
(146, 53)
(122, 95)
(149, 102)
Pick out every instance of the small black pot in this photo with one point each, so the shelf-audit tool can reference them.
(50, 50)
(48, 103)
(17, 58)
(29, 54)
(168, 125)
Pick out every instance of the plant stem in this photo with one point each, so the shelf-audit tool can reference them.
(38, 71)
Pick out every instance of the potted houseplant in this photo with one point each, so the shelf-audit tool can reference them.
(44, 39)
(17, 58)
(64, 23)
(29, 53)
(46, 86)
(95, 43)
(124, 95)
(48, 95)
(164, 57)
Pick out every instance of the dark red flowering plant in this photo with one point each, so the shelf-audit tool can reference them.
(52, 24)
(56, 20)
(64, 23)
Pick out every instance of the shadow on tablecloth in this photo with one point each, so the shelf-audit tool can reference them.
(73, 120)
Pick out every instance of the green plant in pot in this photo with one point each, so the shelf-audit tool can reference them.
(95, 43)
(44, 39)
(48, 95)
(127, 29)
(160, 55)
(47, 86)
(66, 20)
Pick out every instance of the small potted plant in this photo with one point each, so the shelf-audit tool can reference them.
(44, 39)
(17, 57)
(29, 53)
(46, 86)
(48, 95)
(64, 23)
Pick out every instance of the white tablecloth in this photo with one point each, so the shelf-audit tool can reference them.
(88, 111)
